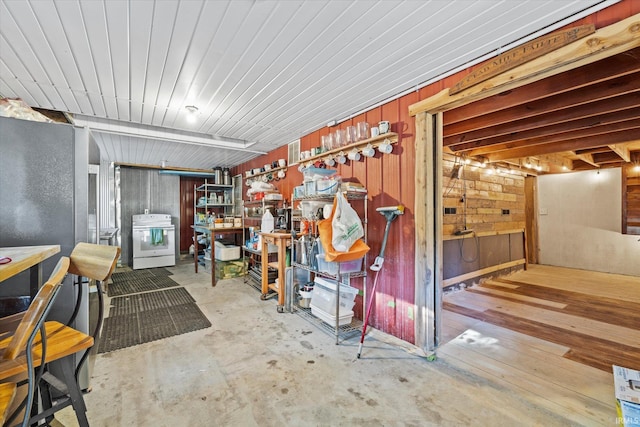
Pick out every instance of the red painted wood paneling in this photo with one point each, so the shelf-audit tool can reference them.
(390, 180)
(186, 211)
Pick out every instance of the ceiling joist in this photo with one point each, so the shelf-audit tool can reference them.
(587, 116)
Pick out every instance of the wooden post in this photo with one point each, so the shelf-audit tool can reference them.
(428, 226)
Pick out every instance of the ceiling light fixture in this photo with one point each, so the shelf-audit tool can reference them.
(192, 111)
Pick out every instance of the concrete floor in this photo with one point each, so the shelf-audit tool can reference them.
(256, 367)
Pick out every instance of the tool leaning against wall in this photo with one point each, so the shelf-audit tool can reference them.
(390, 213)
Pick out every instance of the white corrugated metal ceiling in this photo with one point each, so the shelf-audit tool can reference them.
(262, 73)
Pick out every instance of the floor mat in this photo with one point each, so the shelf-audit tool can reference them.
(146, 317)
(134, 281)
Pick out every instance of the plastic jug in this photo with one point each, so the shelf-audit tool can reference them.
(267, 222)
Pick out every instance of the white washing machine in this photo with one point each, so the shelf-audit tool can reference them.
(153, 241)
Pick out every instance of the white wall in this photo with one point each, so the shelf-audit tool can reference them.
(580, 218)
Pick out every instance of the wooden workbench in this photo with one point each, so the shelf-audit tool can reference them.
(281, 240)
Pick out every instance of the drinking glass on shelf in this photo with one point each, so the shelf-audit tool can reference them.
(341, 137)
(332, 140)
(326, 143)
(351, 134)
(362, 131)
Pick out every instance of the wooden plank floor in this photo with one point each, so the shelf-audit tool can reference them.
(549, 333)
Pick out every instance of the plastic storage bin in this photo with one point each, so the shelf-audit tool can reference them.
(327, 186)
(351, 266)
(324, 297)
(227, 253)
(326, 266)
(332, 267)
(344, 319)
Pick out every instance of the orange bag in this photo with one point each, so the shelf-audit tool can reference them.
(358, 250)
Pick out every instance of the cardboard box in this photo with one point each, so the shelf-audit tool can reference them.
(627, 390)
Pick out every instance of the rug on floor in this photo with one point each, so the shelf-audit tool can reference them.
(134, 281)
(140, 318)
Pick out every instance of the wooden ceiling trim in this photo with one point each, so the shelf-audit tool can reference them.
(544, 126)
(559, 137)
(628, 84)
(567, 145)
(623, 64)
(605, 42)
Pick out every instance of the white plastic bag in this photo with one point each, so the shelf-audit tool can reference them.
(346, 225)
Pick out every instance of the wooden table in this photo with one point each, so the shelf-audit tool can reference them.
(27, 257)
(281, 240)
(210, 229)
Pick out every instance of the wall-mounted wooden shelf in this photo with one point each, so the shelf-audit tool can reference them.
(375, 142)
(265, 172)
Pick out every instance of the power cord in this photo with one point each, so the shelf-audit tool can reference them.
(461, 245)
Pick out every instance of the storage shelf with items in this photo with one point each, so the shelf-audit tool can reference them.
(213, 203)
(253, 254)
(214, 219)
(254, 209)
(332, 279)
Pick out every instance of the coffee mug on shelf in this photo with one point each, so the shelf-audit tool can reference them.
(384, 126)
(385, 147)
(375, 131)
(282, 163)
(354, 155)
(368, 151)
(342, 159)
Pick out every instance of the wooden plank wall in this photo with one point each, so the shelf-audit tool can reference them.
(390, 181)
(631, 200)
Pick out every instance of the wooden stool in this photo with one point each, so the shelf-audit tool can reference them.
(95, 262)
(18, 350)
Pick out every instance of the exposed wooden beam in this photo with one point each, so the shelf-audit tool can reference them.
(596, 150)
(607, 158)
(596, 131)
(587, 158)
(629, 84)
(549, 124)
(568, 145)
(617, 66)
(604, 43)
(621, 150)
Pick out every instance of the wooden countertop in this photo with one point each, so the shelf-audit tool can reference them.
(24, 257)
(216, 229)
(277, 235)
